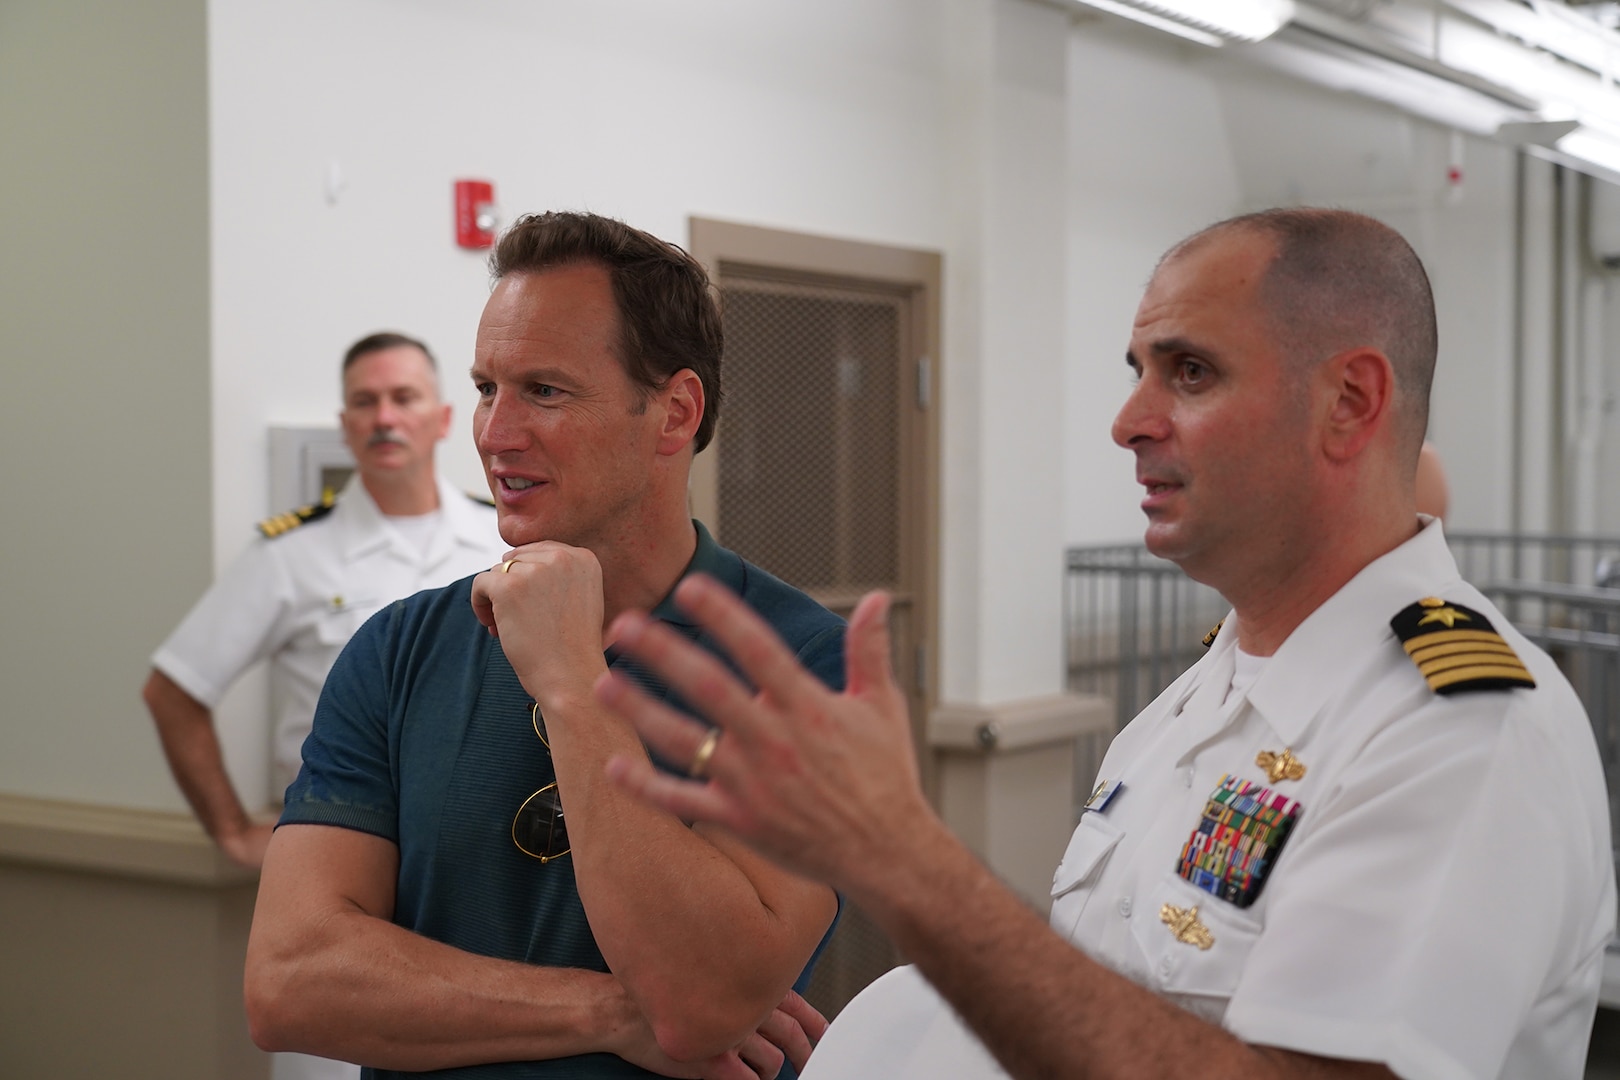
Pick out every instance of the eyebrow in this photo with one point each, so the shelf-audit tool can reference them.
(543, 374)
(1171, 346)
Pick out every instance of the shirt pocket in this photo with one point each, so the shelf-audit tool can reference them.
(1202, 980)
(1077, 875)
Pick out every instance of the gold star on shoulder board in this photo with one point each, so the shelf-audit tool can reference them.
(1440, 612)
(1283, 766)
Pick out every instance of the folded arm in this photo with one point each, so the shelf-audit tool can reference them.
(328, 973)
(705, 935)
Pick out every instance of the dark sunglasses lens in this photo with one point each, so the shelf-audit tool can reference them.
(538, 828)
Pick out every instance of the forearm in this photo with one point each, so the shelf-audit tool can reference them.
(186, 729)
(703, 949)
(1041, 1006)
(358, 988)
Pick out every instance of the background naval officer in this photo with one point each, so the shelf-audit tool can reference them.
(298, 592)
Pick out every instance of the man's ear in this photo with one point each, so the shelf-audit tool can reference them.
(683, 403)
(1360, 385)
(444, 421)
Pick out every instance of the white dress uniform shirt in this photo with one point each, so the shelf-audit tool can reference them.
(297, 598)
(1444, 899)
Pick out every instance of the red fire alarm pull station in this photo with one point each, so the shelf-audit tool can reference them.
(475, 213)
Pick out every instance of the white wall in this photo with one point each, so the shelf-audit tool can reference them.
(1169, 137)
(1150, 161)
(826, 118)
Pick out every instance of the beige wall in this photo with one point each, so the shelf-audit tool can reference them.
(104, 418)
(122, 953)
(122, 950)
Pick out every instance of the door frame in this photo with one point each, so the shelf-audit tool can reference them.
(724, 245)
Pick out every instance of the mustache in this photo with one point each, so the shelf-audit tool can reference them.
(385, 436)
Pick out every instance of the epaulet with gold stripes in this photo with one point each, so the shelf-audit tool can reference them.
(481, 500)
(1209, 638)
(1457, 649)
(281, 524)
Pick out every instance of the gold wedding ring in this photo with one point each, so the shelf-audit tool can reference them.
(506, 567)
(700, 760)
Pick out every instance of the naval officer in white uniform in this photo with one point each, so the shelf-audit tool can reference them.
(297, 594)
(1366, 836)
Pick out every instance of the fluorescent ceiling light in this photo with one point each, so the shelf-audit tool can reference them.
(1146, 18)
(1206, 21)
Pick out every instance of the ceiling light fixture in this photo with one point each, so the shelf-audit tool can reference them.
(1208, 22)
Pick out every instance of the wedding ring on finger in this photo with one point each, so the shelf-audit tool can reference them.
(700, 760)
(506, 567)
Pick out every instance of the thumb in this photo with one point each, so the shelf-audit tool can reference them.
(866, 646)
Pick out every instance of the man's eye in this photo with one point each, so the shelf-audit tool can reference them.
(1192, 371)
(541, 390)
(484, 389)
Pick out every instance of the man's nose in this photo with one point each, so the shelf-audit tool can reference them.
(1142, 417)
(498, 425)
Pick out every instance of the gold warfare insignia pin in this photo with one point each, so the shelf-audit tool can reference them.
(1214, 632)
(1283, 766)
(1456, 648)
(1184, 924)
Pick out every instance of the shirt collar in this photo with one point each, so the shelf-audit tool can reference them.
(708, 558)
(366, 528)
(1352, 623)
(466, 516)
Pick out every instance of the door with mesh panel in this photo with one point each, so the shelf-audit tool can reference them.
(820, 474)
(810, 460)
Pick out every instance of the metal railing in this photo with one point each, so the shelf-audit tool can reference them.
(1133, 623)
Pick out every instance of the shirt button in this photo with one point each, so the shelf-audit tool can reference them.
(1164, 968)
(1187, 776)
(1125, 907)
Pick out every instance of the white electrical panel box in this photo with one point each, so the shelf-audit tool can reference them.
(304, 463)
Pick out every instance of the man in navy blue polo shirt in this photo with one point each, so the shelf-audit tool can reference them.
(454, 884)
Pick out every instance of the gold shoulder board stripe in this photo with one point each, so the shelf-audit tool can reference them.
(281, 524)
(1456, 648)
(1209, 638)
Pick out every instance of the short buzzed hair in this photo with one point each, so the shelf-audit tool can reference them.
(1340, 280)
(668, 316)
(385, 339)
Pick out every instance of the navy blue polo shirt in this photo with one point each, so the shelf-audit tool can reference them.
(423, 737)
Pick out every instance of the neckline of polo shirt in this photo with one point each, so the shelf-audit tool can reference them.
(1291, 692)
(708, 558)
